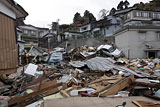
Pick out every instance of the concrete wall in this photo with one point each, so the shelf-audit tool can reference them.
(133, 45)
(80, 42)
(121, 41)
(111, 30)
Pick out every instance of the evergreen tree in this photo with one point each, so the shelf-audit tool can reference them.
(77, 18)
(120, 6)
(126, 4)
(88, 17)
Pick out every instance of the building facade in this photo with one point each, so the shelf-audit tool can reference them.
(140, 35)
(31, 35)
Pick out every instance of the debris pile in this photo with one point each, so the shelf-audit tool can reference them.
(86, 72)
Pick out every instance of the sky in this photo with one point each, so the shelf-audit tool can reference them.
(43, 12)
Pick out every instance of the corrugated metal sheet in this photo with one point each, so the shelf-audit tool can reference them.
(8, 48)
(100, 63)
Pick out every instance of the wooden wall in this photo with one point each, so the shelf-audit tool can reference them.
(8, 47)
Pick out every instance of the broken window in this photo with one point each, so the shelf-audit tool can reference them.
(85, 28)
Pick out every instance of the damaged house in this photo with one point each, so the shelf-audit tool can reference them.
(48, 41)
(140, 36)
(10, 12)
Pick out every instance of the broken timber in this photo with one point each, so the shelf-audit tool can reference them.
(33, 94)
(115, 88)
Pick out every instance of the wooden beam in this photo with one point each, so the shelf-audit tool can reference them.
(115, 88)
(151, 85)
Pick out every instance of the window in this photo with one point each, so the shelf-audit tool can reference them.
(142, 36)
(154, 15)
(33, 33)
(25, 31)
(158, 36)
(128, 16)
(145, 14)
(138, 14)
(158, 16)
(85, 28)
(35, 41)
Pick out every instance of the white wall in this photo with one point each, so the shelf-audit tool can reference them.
(131, 44)
(7, 11)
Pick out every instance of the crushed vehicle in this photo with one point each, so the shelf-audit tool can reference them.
(109, 51)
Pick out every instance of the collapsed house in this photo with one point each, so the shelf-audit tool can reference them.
(81, 72)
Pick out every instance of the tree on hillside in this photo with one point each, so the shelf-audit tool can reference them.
(88, 17)
(77, 18)
(140, 5)
(64, 27)
(126, 4)
(123, 5)
(120, 6)
(152, 5)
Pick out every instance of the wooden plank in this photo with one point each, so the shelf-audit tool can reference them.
(151, 85)
(106, 87)
(64, 93)
(1, 43)
(136, 103)
(8, 48)
(115, 88)
(33, 94)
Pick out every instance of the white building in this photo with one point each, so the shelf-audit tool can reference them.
(140, 36)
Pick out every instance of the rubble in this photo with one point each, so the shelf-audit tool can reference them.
(81, 72)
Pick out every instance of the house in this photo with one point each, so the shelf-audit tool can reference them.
(86, 30)
(104, 27)
(73, 35)
(29, 35)
(48, 41)
(10, 12)
(107, 27)
(140, 35)
(42, 31)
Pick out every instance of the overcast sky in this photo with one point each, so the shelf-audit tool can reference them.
(44, 12)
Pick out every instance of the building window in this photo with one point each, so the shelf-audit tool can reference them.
(142, 35)
(33, 33)
(128, 16)
(138, 14)
(25, 31)
(85, 28)
(158, 16)
(158, 36)
(154, 15)
(145, 14)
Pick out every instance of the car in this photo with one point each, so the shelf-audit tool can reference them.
(109, 50)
